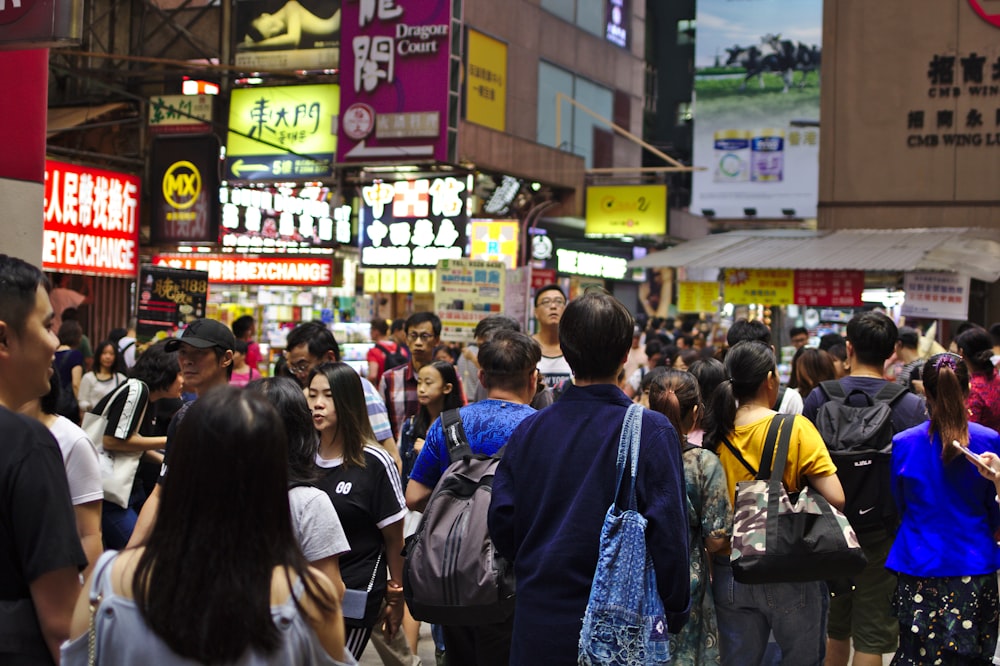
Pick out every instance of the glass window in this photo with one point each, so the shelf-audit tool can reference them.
(552, 79)
(590, 16)
(601, 101)
(685, 32)
(564, 9)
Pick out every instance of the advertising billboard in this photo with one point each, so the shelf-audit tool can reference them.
(91, 222)
(168, 299)
(756, 108)
(495, 240)
(467, 292)
(285, 219)
(281, 34)
(486, 81)
(185, 179)
(395, 79)
(627, 210)
(283, 132)
(240, 269)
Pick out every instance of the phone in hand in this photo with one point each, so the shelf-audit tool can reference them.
(968, 452)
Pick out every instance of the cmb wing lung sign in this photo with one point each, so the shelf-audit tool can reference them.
(91, 221)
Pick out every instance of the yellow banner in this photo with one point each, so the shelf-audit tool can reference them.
(697, 296)
(300, 118)
(423, 280)
(495, 240)
(372, 284)
(627, 210)
(770, 287)
(486, 82)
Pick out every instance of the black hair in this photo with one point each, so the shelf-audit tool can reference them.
(654, 347)
(242, 326)
(873, 336)
(995, 334)
(650, 377)
(977, 349)
(549, 287)
(380, 325)
(287, 398)
(241, 347)
(49, 403)
(946, 383)
(710, 373)
(595, 334)
(201, 553)
(70, 333)
(70, 314)
(508, 359)
(493, 323)
(830, 340)
(747, 364)
(908, 337)
(674, 394)
(316, 336)
(99, 351)
(398, 324)
(449, 375)
(156, 367)
(352, 412)
(798, 330)
(418, 318)
(743, 330)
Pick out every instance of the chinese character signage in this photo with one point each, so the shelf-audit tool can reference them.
(168, 299)
(697, 296)
(287, 219)
(627, 210)
(616, 23)
(413, 223)
(285, 132)
(935, 295)
(770, 287)
(756, 130)
(829, 288)
(595, 265)
(494, 240)
(239, 269)
(91, 221)
(185, 180)
(180, 113)
(278, 34)
(486, 81)
(467, 292)
(395, 81)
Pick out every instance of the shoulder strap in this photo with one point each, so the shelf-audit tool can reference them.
(832, 389)
(100, 577)
(768, 458)
(890, 393)
(739, 456)
(781, 397)
(380, 346)
(458, 443)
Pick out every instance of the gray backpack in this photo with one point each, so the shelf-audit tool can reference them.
(452, 574)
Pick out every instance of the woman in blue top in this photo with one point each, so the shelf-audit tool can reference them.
(945, 553)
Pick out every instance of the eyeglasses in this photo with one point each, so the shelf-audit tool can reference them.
(546, 302)
(423, 337)
(300, 368)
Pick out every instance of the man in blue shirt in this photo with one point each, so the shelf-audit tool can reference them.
(507, 369)
(557, 479)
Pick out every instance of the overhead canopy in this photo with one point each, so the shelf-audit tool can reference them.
(972, 252)
(68, 117)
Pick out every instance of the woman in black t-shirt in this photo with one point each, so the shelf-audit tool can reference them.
(363, 483)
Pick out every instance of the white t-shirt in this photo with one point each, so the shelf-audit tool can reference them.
(83, 467)
(555, 370)
(93, 389)
(791, 403)
(316, 523)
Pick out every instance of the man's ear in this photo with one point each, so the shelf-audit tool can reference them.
(227, 358)
(4, 334)
(330, 356)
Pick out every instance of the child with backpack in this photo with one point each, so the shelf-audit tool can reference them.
(436, 392)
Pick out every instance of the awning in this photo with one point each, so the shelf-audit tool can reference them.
(970, 251)
(68, 117)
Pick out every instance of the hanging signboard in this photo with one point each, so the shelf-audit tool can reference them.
(239, 269)
(180, 114)
(627, 210)
(278, 34)
(830, 288)
(697, 296)
(486, 81)
(935, 295)
(770, 287)
(495, 240)
(185, 178)
(91, 221)
(168, 299)
(467, 292)
(289, 219)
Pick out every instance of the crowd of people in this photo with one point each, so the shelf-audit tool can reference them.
(263, 522)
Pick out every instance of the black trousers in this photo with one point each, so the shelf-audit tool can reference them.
(483, 645)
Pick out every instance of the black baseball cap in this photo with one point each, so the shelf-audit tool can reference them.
(204, 333)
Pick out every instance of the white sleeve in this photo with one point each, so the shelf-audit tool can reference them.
(83, 471)
(87, 384)
(320, 530)
(791, 403)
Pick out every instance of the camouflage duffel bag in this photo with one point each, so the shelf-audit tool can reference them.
(783, 538)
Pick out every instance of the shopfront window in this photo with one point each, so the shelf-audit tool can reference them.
(576, 131)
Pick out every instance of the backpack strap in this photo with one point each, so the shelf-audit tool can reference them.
(458, 443)
(781, 397)
(890, 393)
(383, 348)
(833, 390)
(739, 456)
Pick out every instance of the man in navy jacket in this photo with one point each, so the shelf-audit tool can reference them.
(557, 480)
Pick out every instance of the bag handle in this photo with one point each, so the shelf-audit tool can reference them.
(786, 422)
(628, 451)
(767, 457)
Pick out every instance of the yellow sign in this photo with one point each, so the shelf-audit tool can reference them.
(404, 280)
(770, 287)
(423, 280)
(388, 280)
(627, 210)
(372, 282)
(495, 240)
(267, 122)
(486, 82)
(181, 185)
(697, 296)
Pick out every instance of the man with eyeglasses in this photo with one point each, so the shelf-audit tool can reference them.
(398, 386)
(550, 301)
(311, 343)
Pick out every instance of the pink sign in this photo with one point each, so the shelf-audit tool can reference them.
(830, 288)
(394, 81)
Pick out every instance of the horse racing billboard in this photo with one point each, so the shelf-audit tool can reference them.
(756, 108)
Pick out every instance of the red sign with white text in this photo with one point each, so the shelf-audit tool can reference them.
(541, 277)
(238, 269)
(831, 288)
(91, 221)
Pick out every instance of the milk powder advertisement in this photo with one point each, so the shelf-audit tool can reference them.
(756, 108)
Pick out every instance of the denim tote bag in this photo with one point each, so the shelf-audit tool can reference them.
(624, 624)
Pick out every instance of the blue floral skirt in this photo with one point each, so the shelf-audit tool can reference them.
(946, 621)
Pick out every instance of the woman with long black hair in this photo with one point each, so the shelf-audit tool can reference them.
(944, 554)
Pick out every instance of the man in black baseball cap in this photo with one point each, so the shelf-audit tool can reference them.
(205, 354)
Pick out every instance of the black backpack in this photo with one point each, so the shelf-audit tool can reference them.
(858, 434)
(452, 574)
(66, 403)
(393, 359)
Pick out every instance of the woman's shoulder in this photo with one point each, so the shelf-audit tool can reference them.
(377, 454)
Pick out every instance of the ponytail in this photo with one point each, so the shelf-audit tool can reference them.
(674, 394)
(946, 382)
(720, 415)
(747, 366)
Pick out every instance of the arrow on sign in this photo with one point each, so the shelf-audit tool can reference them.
(239, 166)
(361, 150)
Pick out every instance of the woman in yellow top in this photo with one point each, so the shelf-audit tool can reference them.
(739, 413)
